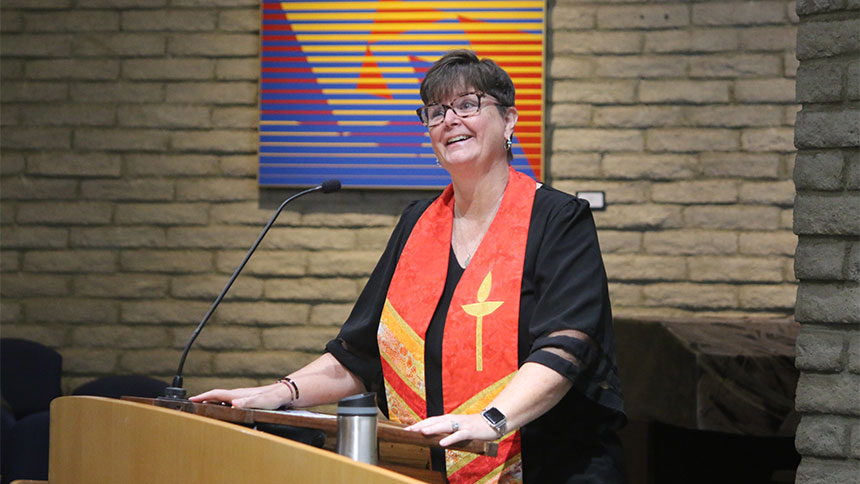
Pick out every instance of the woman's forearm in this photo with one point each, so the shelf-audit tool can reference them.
(531, 392)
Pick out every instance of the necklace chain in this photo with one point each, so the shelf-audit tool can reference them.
(458, 216)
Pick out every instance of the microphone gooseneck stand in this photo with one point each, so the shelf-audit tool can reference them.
(175, 391)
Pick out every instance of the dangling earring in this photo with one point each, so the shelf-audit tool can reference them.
(508, 143)
(437, 162)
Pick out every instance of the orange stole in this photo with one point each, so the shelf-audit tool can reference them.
(479, 343)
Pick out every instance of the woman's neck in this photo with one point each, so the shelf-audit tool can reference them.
(476, 197)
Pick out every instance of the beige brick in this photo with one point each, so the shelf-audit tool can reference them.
(223, 338)
(241, 117)
(11, 115)
(263, 313)
(114, 237)
(250, 213)
(10, 313)
(130, 286)
(298, 338)
(342, 263)
(34, 237)
(212, 93)
(732, 217)
(740, 269)
(765, 90)
(596, 42)
(163, 361)
(270, 363)
(239, 20)
(164, 311)
(12, 163)
(117, 92)
(569, 114)
(162, 214)
(780, 296)
(118, 45)
(71, 164)
(734, 115)
(171, 164)
(690, 242)
(575, 165)
(121, 139)
(329, 314)
(47, 334)
(768, 139)
(227, 141)
(74, 261)
(166, 261)
(637, 267)
(38, 189)
(786, 218)
(659, 16)
(616, 192)
(127, 189)
(620, 241)
(790, 115)
(603, 92)
(705, 191)
(641, 66)
(34, 285)
(39, 138)
(640, 217)
(213, 45)
(736, 65)
(686, 91)
(213, 237)
(163, 116)
(266, 262)
(238, 69)
(208, 287)
(311, 289)
(10, 261)
(14, 91)
(773, 193)
(220, 189)
(169, 20)
(28, 45)
(691, 139)
(689, 295)
(739, 13)
(198, 384)
(771, 38)
(119, 337)
(168, 69)
(239, 165)
(691, 41)
(72, 21)
(625, 294)
(12, 69)
(573, 17)
(312, 238)
(68, 69)
(350, 219)
(67, 213)
(641, 116)
(597, 140)
(564, 67)
(743, 165)
(89, 360)
(67, 310)
(372, 238)
(11, 21)
(642, 166)
(768, 243)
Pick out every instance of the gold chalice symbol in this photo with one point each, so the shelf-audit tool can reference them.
(479, 310)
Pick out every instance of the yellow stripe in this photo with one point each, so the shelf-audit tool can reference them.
(484, 397)
(395, 334)
(399, 70)
(456, 460)
(398, 28)
(499, 59)
(429, 16)
(538, 50)
(512, 36)
(398, 410)
(495, 473)
(314, 6)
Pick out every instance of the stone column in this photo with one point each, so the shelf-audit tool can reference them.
(827, 222)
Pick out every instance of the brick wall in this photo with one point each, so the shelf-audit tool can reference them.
(129, 195)
(827, 221)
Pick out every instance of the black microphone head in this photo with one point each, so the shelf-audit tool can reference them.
(330, 186)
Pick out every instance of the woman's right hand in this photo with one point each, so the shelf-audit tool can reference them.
(268, 397)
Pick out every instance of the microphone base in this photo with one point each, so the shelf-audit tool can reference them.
(173, 394)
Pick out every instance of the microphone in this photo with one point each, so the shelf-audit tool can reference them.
(175, 391)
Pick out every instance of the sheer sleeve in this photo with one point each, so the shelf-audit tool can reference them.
(355, 346)
(570, 328)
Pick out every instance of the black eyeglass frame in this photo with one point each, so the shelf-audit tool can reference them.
(478, 94)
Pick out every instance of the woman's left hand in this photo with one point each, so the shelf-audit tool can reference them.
(461, 427)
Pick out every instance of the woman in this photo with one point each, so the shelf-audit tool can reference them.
(488, 316)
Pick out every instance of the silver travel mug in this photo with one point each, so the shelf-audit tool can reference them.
(356, 428)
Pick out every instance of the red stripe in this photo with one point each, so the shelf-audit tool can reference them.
(412, 399)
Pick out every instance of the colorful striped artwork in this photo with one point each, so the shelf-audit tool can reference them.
(339, 86)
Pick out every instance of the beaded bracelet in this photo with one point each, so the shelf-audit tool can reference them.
(294, 389)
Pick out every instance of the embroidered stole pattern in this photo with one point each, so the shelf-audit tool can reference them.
(479, 343)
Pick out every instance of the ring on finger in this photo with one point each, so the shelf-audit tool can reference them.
(454, 426)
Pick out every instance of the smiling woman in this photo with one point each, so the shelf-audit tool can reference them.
(487, 316)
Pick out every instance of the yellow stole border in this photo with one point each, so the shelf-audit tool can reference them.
(481, 327)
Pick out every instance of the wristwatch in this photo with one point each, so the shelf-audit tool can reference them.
(496, 419)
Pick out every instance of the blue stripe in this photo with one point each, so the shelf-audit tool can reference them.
(356, 181)
(312, 96)
(304, 160)
(447, 10)
(342, 149)
(328, 117)
(344, 129)
(313, 85)
(372, 21)
(414, 31)
(308, 65)
(347, 171)
(417, 140)
(335, 75)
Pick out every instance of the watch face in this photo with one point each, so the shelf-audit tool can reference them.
(494, 416)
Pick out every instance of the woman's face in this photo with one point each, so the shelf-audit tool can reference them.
(477, 140)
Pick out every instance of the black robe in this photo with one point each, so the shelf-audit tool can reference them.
(563, 287)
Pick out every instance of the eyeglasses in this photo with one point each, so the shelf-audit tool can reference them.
(468, 104)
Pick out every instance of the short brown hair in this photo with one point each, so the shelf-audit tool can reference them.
(462, 67)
